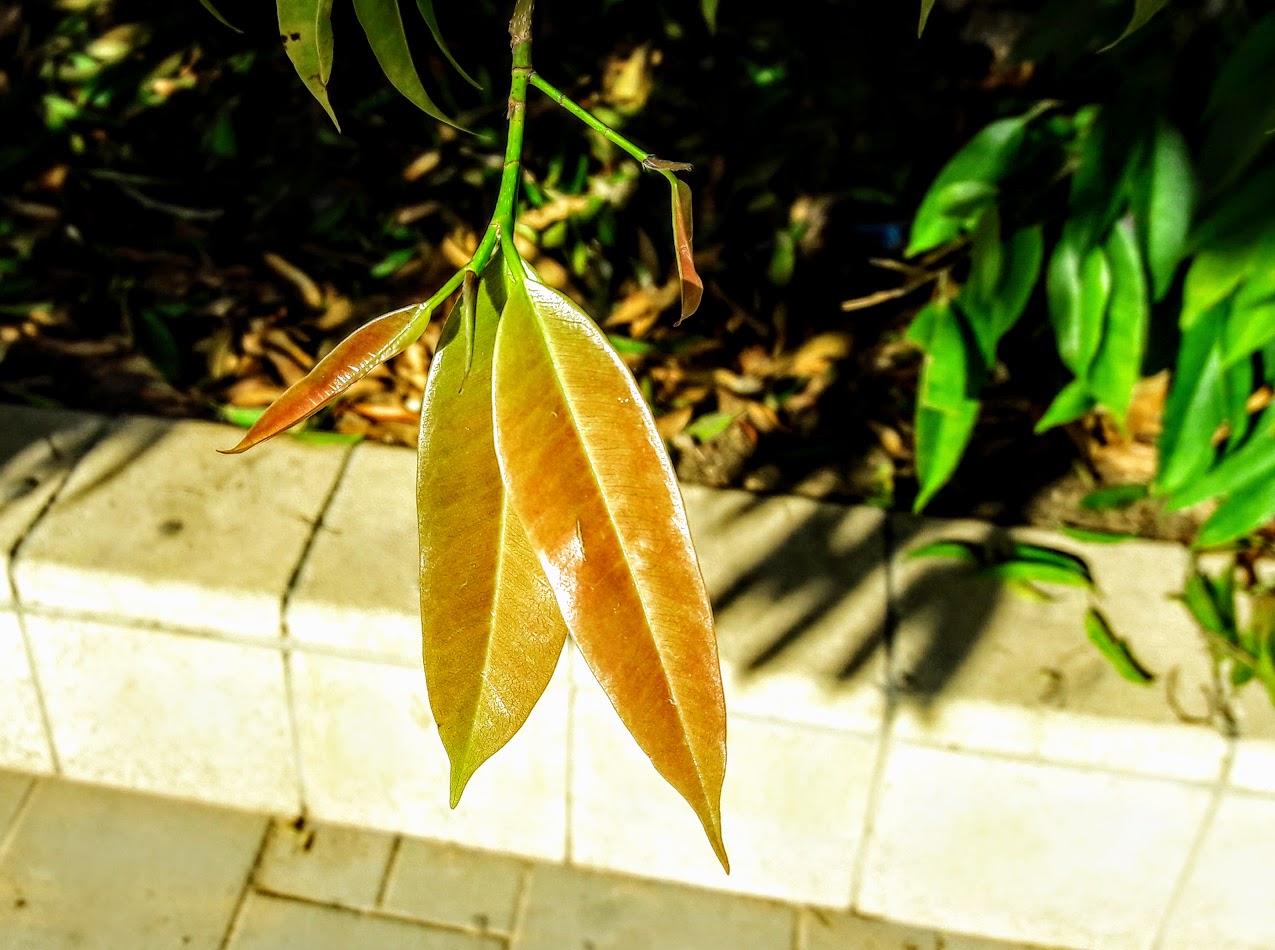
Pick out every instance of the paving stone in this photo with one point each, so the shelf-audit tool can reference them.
(799, 592)
(1226, 904)
(1025, 851)
(328, 863)
(38, 449)
(371, 522)
(459, 887)
(371, 757)
(24, 743)
(823, 931)
(1254, 766)
(168, 713)
(13, 791)
(984, 669)
(94, 868)
(154, 525)
(793, 807)
(272, 923)
(574, 909)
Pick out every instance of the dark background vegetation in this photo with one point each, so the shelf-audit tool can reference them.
(182, 230)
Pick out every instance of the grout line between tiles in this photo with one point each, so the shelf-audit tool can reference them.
(884, 738)
(1197, 845)
(521, 902)
(236, 917)
(19, 608)
(8, 834)
(391, 865)
(381, 914)
(285, 638)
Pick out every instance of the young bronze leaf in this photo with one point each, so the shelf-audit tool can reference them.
(305, 26)
(352, 359)
(491, 630)
(692, 286)
(587, 474)
(382, 21)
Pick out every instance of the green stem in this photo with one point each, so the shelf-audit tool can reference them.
(647, 159)
(520, 75)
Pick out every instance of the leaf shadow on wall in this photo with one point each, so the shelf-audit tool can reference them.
(805, 589)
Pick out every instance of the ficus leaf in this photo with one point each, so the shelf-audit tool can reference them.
(1251, 464)
(926, 7)
(1069, 405)
(588, 476)
(1195, 406)
(491, 630)
(692, 286)
(1115, 649)
(1063, 293)
(431, 20)
(1118, 363)
(1037, 572)
(1166, 202)
(383, 23)
(211, 8)
(1143, 11)
(945, 412)
(353, 358)
(305, 26)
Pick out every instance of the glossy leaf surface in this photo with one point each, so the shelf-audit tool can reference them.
(1118, 363)
(491, 630)
(1116, 650)
(945, 411)
(1195, 406)
(1167, 200)
(305, 26)
(383, 23)
(352, 359)
(587, 473)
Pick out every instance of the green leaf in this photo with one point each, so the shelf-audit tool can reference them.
(941, 438)
(926, 7)
(1167, 200)
(708, 8)
(1251, 463)
(208, 5)
(491, 630)
(1095, 300)
(945, 412)
(1214, 275)
(965, 551)
(1241, 111)
(964, 199)
(242, 416)
(1064, 560)
(1118, 364)
(588, 476)
(305, 26)
(1201, 602)
(1090, 536)
(1113, 497)
(1195, 407)
(709, 426)
(1036, 572)
(1070, 404)
(1248, 329)
(431, 20)
(985, 159)
(1115, 649)
(1143, 11)
(383, 24)
(1063, 291)
(1241, 513)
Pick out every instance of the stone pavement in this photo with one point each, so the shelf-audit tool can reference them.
(90, 867)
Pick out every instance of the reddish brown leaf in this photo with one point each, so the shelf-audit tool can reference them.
(587, 474)
(492, 633)
(351, 360)
(692, 286)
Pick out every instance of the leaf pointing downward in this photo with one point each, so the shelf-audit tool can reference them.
(491, 630)
(692, 286)
(305, 26)
(382, 21)
(587, 475)
(354, 357)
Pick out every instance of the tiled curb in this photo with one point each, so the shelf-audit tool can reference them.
(904, 741)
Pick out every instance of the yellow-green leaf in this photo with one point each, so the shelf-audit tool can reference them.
(1143, 11)
(305, 26)
(587, 474)
(382, 21)
(491, 630)
(211, 8)
(926, 7)
(353, 358)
